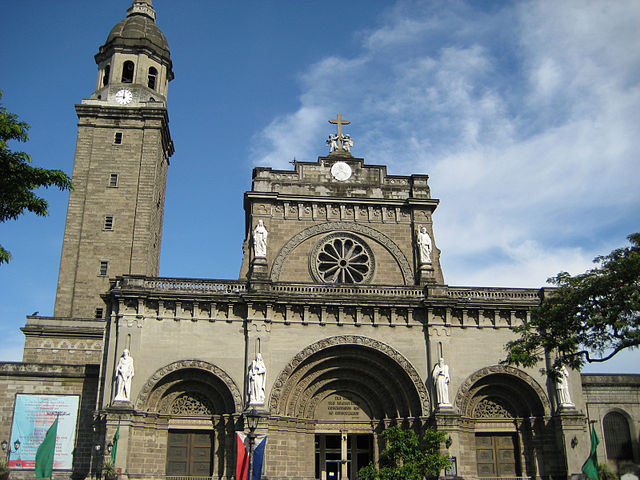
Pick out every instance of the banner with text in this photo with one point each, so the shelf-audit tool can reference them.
(32, 416)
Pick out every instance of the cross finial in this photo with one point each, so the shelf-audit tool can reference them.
(340, 144)
(339, 121)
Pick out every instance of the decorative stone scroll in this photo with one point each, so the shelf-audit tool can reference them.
(192, 404)
(279, 385)
(463, 400)
(148, 387)
(492, 408)
(314, 230)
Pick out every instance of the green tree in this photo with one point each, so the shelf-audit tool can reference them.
(589, 317)
(18, 179)
(407, 456)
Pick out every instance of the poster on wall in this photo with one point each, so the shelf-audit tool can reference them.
(32, 417)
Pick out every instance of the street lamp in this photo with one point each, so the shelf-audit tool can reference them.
(253, 419)
(5, 444)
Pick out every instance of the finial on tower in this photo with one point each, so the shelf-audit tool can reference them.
(340, 144)
(142, 7)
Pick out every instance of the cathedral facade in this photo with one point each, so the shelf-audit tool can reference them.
(339, 325)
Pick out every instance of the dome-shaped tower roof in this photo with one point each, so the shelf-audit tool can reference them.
(138, 32)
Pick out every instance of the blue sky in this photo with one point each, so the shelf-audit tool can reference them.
(525, 116)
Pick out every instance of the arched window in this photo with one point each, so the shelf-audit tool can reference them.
(127, 72)
(153, 76)
(617, 436)
(105, 78)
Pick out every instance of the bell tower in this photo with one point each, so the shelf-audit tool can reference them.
(115, 212)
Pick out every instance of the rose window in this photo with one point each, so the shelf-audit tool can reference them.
(342, 258)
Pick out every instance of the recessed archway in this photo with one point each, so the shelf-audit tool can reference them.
(374, 377)
(190, 382)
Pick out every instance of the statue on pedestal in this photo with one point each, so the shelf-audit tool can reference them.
(257, 378)
(562, 388)
(124, 375)
(260, 235)
(424, 245)
(441, 381)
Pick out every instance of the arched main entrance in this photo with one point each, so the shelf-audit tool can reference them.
(506, 417)
(345, 390)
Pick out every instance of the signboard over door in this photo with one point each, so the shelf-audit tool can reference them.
(32, 417)
(341, 407)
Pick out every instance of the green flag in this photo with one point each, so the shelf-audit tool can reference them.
(590, 467)
(115, 444)
(46, 452)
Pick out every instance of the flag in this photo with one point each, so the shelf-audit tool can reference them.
(590, 467)
(46, 452)
(242, 457)
(258, 456)
(115, 444)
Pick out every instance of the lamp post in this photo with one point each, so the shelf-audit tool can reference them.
(7, 448)
(253, 419)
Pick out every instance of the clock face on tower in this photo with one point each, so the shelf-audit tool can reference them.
(123, 96)
(341, 171)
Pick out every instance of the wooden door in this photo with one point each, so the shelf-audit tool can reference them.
(496, 455)
(189, 453)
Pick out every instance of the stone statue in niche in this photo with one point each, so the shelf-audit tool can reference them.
(562, 388)
(441, 381)
(424, 245)
(124, 375)
(260, 240)
(257, 377)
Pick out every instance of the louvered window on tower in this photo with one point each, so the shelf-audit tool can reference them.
(117, 139)
(108, 222)
(104, 267)
(113, 180)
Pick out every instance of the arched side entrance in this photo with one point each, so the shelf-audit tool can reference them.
(189, 407)
(506, 421)
(344, 390)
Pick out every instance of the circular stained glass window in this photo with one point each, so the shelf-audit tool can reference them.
(342, 258)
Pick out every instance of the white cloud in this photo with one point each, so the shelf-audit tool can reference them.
(525, 118)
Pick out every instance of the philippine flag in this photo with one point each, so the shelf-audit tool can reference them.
(242, 457)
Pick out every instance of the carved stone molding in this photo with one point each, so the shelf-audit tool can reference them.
(462, 402)
(281, 381)
(314, 230)
(148, 387)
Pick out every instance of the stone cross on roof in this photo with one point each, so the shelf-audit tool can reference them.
(339, 121)
(340, 143)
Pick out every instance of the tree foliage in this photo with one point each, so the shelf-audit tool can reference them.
(18, 179)
(407, 456)
(589, 317)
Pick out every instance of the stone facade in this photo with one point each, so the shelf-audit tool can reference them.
(347, 313)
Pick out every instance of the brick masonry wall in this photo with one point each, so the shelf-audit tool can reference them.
(29, 378)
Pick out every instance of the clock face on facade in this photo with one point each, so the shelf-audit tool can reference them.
(123, 96)
(341, 171)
